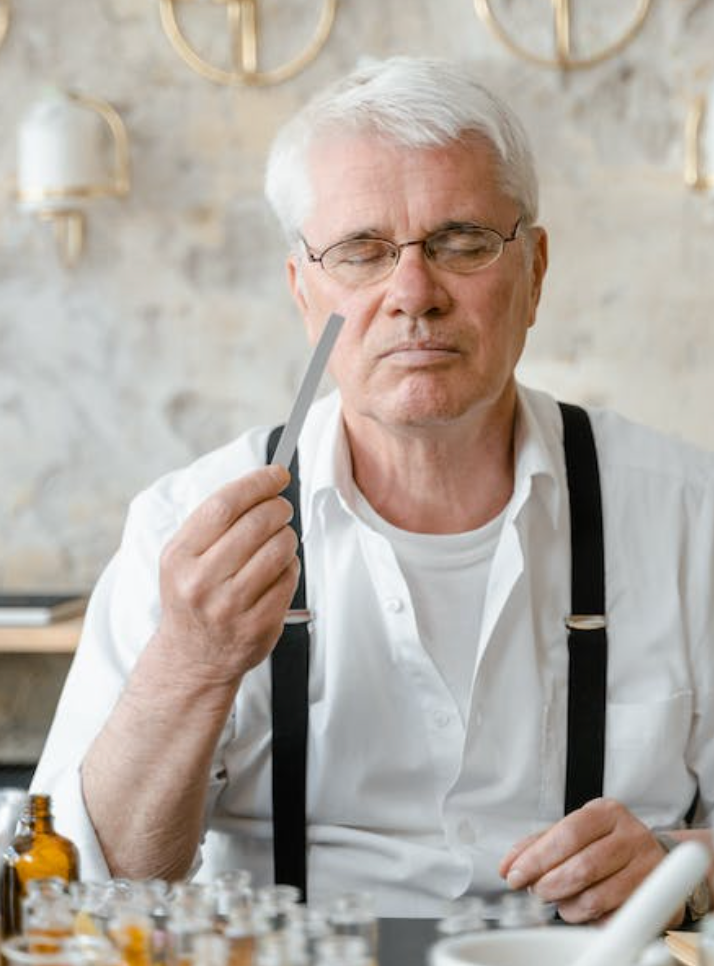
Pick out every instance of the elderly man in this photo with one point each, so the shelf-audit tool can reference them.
(451, 528)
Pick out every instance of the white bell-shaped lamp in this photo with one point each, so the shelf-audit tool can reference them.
(71, 150)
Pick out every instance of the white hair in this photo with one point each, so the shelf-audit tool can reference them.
(412, 101)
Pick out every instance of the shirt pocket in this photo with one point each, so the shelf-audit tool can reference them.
(645, 749)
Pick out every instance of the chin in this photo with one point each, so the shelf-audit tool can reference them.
(424, 410)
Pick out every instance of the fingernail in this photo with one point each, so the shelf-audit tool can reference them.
(516, 879)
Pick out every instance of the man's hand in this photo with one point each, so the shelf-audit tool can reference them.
(227, 578)
(588, 863)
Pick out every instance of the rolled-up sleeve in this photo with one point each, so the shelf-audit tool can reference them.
(122, 615)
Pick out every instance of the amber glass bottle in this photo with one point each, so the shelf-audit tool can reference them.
(37, 852)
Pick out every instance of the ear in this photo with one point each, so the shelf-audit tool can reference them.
(539, 267)
(295, 283)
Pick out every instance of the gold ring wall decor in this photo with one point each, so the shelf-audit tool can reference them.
(242, 16)
(694, 174)
(4, 18)
(564, 58)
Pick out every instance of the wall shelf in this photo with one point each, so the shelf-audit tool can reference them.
(61, 637)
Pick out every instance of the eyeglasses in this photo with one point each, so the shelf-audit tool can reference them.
(463, 249)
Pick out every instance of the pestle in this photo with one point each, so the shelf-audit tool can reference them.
(649, 908)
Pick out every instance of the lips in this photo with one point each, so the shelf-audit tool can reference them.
(421, 351)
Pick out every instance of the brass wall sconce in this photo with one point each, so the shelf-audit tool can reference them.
(4, 18)
(564, 58)
(695, 173)
(242, 16)
(72, 149)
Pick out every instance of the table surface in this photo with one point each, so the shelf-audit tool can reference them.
(405, 942)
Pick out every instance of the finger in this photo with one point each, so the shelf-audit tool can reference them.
(599, 901)
(510, 857)
(235, 548)
(265, 566)
(272, 605)
(598, 861)
(562, 840)
(220, 510)
(268, 614)
(240, 641)
(220, 605)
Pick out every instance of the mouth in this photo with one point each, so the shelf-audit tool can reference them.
(420, 353)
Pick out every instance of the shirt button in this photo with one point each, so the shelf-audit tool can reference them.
(441, 718)
(465, 832)
(394, 604)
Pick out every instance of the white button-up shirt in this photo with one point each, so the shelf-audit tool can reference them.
(405, 798)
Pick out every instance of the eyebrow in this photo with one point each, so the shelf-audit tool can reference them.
(361, 233)
(448, 225)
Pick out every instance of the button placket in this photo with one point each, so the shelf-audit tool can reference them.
(444, 729)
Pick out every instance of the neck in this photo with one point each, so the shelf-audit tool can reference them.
(441, 479)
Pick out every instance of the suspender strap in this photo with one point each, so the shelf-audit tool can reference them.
(289, 668)
(587, 646)
(587, 637)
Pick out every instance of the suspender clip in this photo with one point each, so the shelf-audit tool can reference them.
(302, 616)
(586, 622)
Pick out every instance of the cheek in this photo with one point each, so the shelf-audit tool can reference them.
(512, 303)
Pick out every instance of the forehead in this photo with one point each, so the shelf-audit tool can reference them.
(362, 181)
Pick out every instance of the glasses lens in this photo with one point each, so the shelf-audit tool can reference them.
(464, 249)
(360, 260)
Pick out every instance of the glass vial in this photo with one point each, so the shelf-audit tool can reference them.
(37, 852)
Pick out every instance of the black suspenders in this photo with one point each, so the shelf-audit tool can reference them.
(289, 669)
(587, 633)
(587, 647)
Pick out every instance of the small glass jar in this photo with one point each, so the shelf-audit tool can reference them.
(191, 914)
(238, 925)
(230, 888)
(272, 906)
(343, 951)
(74, 951)
(47, 914)
(352, 914)
(131, 930)
(210, 949)
(467, 914)
(311, 924)
(89, 905)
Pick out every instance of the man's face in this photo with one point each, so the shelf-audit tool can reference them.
(423, 347)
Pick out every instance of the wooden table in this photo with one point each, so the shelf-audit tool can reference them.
(58, 638)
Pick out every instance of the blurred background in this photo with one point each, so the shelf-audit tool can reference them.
(174, 331)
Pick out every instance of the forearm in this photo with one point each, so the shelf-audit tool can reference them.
(145, 777)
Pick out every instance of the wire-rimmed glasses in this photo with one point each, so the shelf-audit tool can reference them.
(462, 248)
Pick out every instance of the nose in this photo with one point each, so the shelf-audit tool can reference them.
(415, 287)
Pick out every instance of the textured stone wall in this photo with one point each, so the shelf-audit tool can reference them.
(175, 331)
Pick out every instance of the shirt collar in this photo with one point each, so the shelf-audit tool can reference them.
(538, 452)
(326, 464)
(325, 461)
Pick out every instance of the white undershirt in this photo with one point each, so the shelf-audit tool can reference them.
(447, 576)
